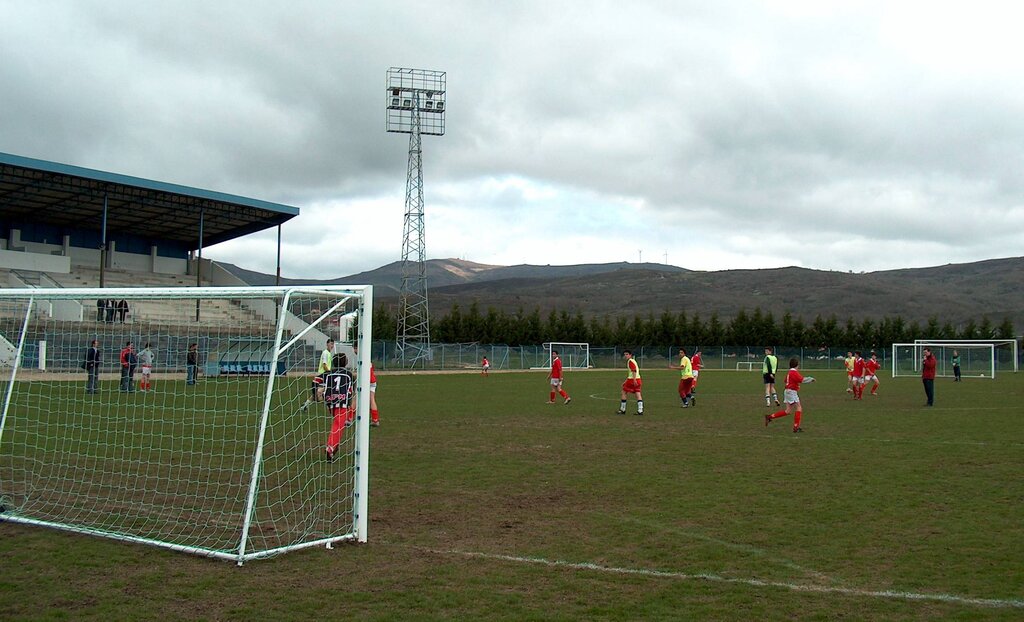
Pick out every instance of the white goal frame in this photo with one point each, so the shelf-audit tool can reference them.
(944, 369)
(305, 483)
(570, 360)
(998, 343)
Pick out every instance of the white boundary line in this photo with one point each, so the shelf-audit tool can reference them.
(705, 576)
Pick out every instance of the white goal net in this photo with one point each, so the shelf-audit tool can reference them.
(573, 355)
(976, 360)
(195, 437)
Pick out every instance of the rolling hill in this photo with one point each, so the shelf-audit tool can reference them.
(955, 292)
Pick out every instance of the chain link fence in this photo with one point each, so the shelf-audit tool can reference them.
(467, 356)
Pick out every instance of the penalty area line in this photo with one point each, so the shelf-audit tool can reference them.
(705, 576)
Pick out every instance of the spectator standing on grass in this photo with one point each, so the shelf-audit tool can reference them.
(928, 376)
(555, 376)
(111, 309)
(485, 366)
(956, 366)
(129, 361)
(633, 384)
(146, 358)
(791, 396)
(122, 310)
(192, 363)
(92, 367)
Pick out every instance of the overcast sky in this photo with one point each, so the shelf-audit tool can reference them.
(714, 135)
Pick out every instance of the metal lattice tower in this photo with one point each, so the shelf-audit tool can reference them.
(415, 106)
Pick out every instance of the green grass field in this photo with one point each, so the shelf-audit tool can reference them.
(488, 504)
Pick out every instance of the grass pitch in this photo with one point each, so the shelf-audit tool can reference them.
(486, 503)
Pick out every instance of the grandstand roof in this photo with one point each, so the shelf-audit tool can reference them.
(70, 196)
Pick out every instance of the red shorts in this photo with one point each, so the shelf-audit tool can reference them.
(685, 385)
(632, 385)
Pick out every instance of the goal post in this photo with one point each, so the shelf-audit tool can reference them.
(573, 355)
(210, 442)
(977, 360)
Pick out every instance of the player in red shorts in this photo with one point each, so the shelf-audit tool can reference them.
(871, 367)
(685, 367)
(338, 386)
(858, 376)
(791, 396)
(696, 363)
(632, 385)
(555, 376)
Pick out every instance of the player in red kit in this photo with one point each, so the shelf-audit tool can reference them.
(871, 367)
(858, 376)
(791, 396)
(555, 376)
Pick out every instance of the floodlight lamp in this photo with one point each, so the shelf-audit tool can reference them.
(439, 107)
(396, 92)
(395, 102)
(406, 103)
(428, 105)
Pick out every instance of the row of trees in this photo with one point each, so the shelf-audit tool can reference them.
(669, 329)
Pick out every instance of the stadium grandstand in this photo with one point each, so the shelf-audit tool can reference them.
(80, 226)
(64, 226)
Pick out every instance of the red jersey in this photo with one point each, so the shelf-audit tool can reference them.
(373, 376)
(928, 367)
(695, 362)
(794, 380)
(872, 366)
(556, 368)
(858, 367)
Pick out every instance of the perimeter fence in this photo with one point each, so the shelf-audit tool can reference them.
(467, 356)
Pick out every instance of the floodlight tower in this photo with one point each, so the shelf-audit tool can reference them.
(415, 106)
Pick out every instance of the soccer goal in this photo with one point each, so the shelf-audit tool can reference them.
(202, 457)
(977, 360)
(573, 355)
(1005, 347)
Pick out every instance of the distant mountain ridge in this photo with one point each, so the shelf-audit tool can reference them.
(955, 292)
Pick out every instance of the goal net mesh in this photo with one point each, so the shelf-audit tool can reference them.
(976, 360)
(573, 355)
(209, 450)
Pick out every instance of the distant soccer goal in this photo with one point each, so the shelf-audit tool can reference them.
(204, 443)
(573, 355)
(1006, 349)
(977, 360)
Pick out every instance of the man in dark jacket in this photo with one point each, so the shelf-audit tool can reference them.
(92, 367)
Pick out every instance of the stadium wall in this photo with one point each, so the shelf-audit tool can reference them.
(135, 255)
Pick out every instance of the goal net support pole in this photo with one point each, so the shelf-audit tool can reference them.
(231, 465)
